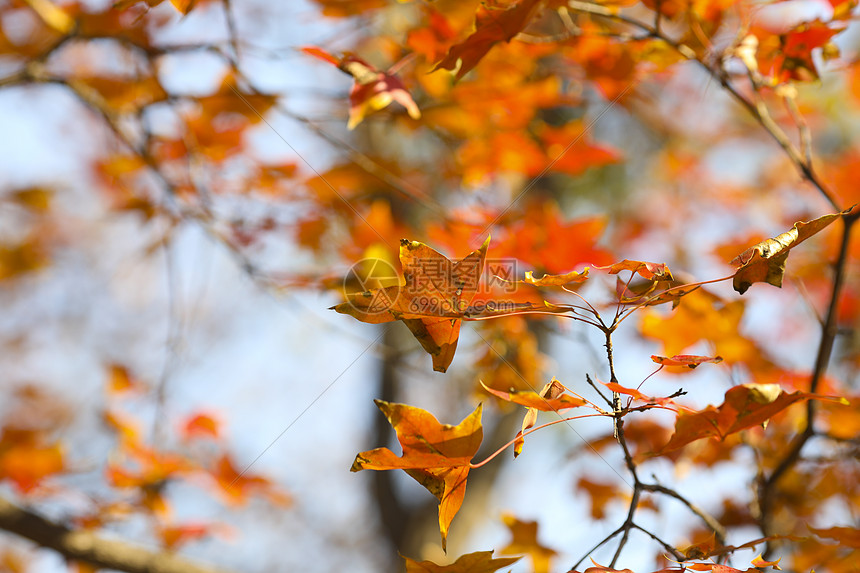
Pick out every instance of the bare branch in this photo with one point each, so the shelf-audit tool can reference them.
(710, 521)
(87, 547)
(767, 485)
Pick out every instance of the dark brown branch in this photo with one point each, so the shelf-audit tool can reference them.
(710, 520)
(667, 546)
(89, 548)
(767, 486)
(596, 546)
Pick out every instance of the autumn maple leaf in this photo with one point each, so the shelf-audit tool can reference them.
(492, 25)
(477, 562)
(436, 455)
(745, 406)
(435, 295)
(765, 262)
(524, 540)
(550, 399)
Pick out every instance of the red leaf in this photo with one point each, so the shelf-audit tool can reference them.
(688, 360)
(201, 426)
(646, 270)
(492, 25)
(373, 89)
(322, 55)
(26, 460)
(238, 486)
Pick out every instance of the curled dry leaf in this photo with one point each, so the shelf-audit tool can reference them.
(762, 562)
(648, 271)
(557, 280)
(702, 549)
(652, 292)
(550, 399)
(765, 262)
(373, 89)
(688, 360)
(438, 456)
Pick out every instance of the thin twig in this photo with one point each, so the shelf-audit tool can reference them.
(596, 546)
(596, 389)
(707, 518)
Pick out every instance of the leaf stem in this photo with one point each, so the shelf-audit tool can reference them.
(692, 286)
(526, 433)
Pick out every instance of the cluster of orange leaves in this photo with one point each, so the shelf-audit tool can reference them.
(439, 456)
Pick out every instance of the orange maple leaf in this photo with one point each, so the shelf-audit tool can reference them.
(236, 486)
(545, 239)
(435, 295)
(846, 536)
(26, 460)
(745, 406)
(438, 456)
(599, 494)
(492, 25)
(550, 399)
(477, 562)
(524, 540)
